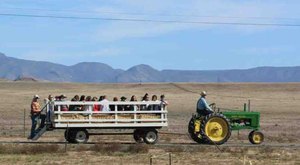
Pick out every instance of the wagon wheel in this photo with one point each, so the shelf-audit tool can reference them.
(68, 134)
(215, 129)
(138, 135)
(256, 137)
(79, 136)
(150, 136)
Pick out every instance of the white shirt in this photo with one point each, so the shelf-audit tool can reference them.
(105, 105)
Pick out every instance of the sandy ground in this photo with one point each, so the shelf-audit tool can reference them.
(278, 103)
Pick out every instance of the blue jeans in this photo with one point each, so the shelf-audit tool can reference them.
(34, 121)
(204, 112)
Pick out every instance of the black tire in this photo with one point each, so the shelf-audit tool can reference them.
(222, 129)
(150, 136)
(138, 136)
(68, 136)
(79, 136)
(256, 137)
(191, 127)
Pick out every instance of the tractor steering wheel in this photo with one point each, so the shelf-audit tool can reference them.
(213, 106)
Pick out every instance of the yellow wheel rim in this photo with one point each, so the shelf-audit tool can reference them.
(257, 138)
(216, 129)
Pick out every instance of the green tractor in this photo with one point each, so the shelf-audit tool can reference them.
(216, 128)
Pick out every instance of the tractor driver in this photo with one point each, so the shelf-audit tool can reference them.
(203, 108)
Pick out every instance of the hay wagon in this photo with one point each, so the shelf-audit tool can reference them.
(78, 125)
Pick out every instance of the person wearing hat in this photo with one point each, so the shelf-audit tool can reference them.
(124, 107)
(35, 113)
(203, 108)
(123, 98)
(63, 107)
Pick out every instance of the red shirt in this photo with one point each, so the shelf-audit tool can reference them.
(96, 107)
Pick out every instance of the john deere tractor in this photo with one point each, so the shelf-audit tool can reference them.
(216, 128)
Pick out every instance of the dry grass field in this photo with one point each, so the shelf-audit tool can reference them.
(278, 103)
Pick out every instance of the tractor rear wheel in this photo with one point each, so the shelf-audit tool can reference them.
(215, 129)
(256, 137)
(191, 129)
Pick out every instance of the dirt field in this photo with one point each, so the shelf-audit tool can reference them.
(278, 103)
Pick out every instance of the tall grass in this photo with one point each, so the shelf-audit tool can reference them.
(114, 148)
(28, 149)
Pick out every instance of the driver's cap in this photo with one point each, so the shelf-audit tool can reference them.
(203, 93)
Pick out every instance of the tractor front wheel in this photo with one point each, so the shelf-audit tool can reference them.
(256, 137)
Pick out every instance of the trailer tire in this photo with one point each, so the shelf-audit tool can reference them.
(68, 136)
(150, 136)
(138, 135)
(79, 136)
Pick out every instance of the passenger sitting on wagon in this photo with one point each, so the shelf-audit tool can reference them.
(82, 98)
(62, 107)
(124, 107)
(163, 103)
(74, 107)
(112, 107)
(100, 98)
(145, 99)
(133, 99)
(96, 106)
(88, 107)
(203, 108)
(154, 106)
(105, 104)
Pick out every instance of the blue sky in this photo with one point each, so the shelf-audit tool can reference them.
(161, 45)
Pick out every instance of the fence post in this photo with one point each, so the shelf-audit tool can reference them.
(170, 159)
(151, 160)
(24, 122)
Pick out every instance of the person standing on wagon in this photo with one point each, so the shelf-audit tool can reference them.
(35, 112)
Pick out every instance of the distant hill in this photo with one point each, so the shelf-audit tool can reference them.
(27, 70)
(140, 73)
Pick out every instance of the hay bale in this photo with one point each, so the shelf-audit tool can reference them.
(148, 116)
(103, 116)
(126, 116)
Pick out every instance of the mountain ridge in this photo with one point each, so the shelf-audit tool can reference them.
(13, 68)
